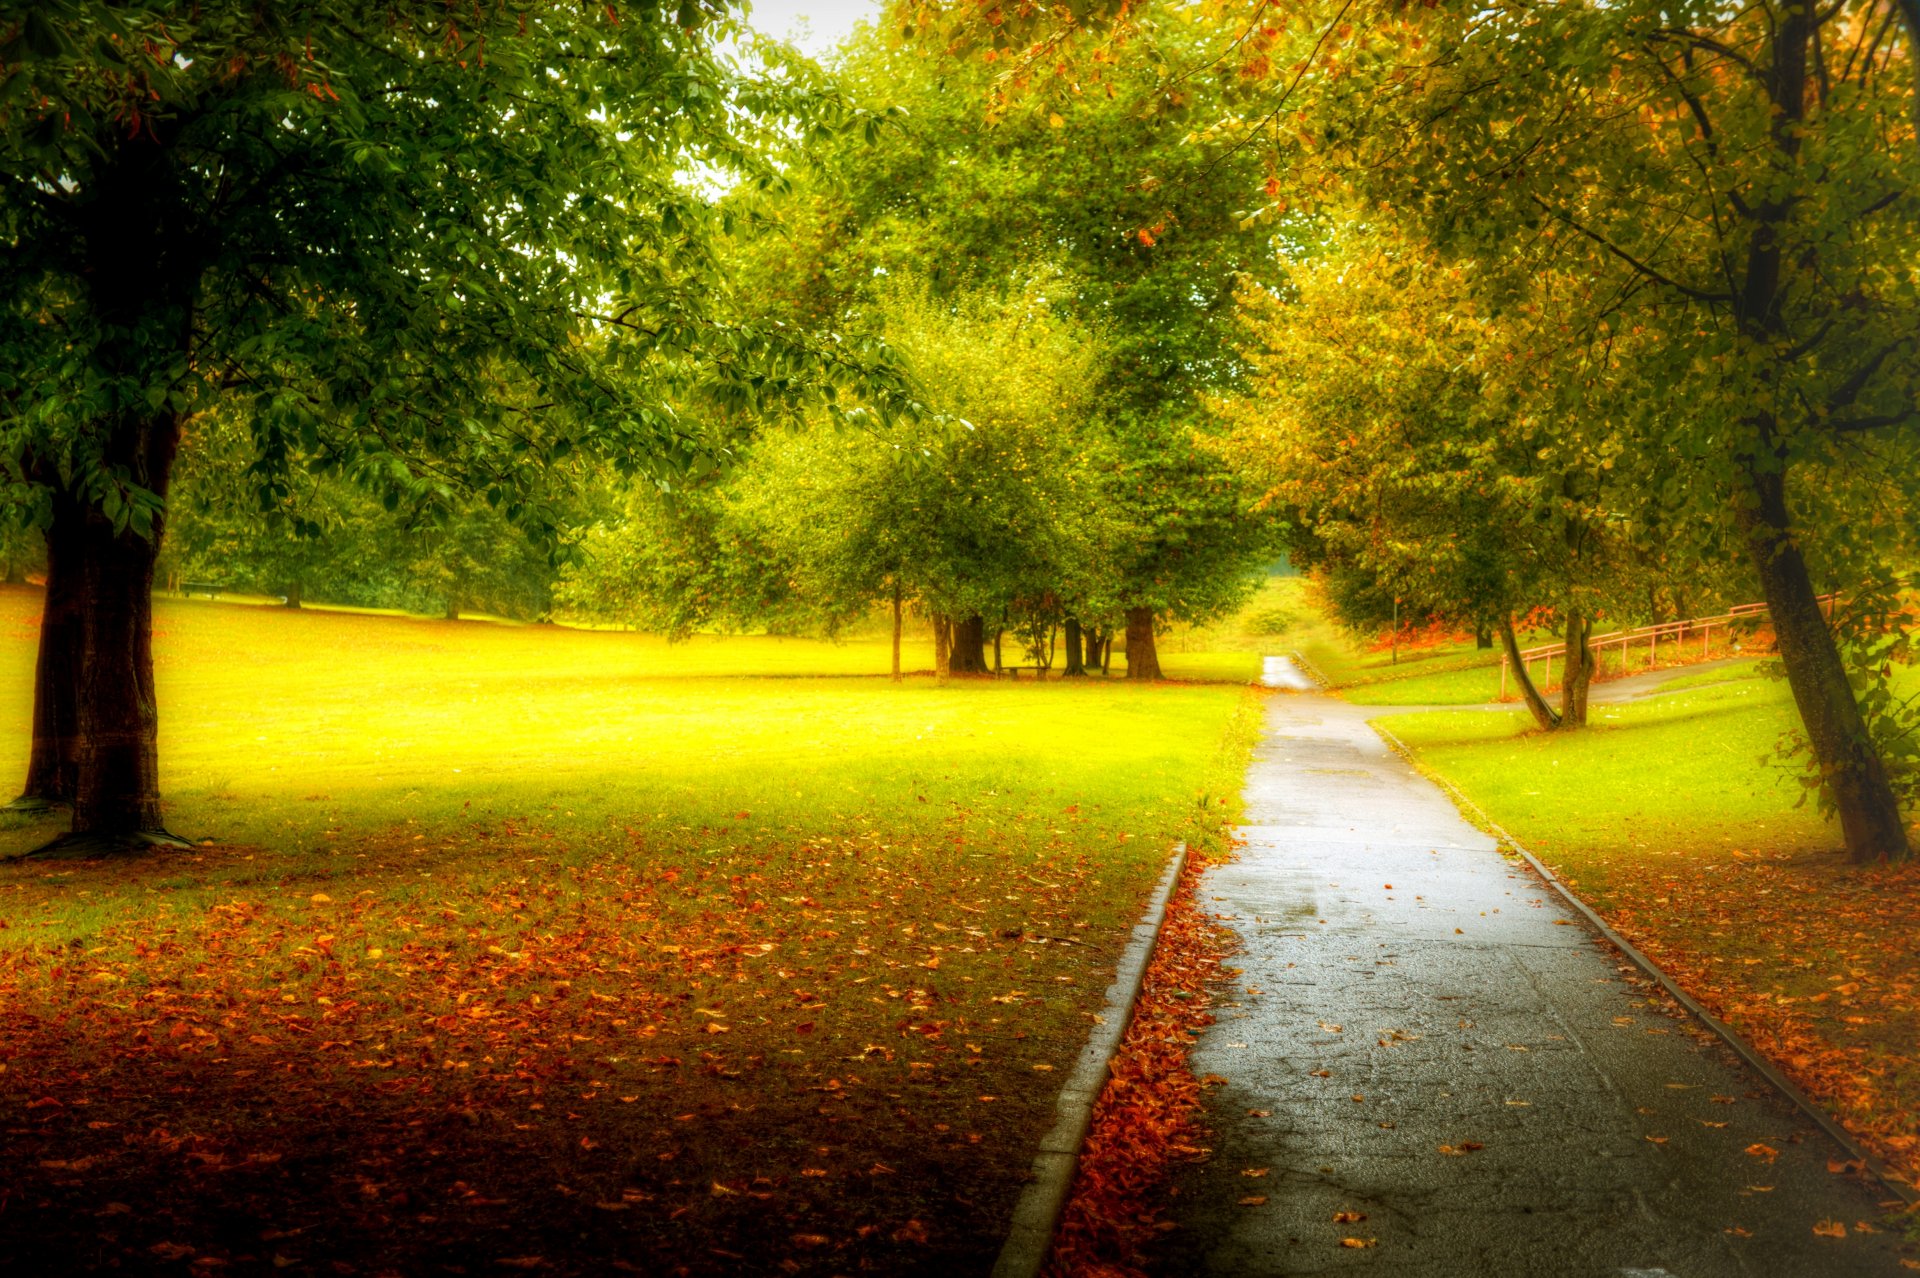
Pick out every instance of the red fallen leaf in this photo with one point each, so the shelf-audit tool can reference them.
(804, 1027)
(1359, 1242)
(911, 1232)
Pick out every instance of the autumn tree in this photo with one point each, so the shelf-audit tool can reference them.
(425, 245)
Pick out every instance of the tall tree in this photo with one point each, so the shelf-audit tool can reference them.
(426, 244)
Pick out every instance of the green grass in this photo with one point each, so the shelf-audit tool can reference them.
(735, 935)
(1682, 770)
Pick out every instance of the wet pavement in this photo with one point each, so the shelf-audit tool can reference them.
(1429, 1058)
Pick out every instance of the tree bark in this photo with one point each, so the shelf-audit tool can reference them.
(1579, 670)
(53, 764)
(896, 631)
(1143, 658)
(1536, 704)
(1482, 635)
(294, 594)
(453, 607)
(1855, 777)
(1076, 650)
(942, 645)
(969, 655)
(117, 783)
(996, 650)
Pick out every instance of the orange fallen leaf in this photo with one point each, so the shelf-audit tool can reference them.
(1759, 1150)
(1359, 1242)
(1830, 1229)
(1253, 1200)
(1348, 1217)
(1253, 1171)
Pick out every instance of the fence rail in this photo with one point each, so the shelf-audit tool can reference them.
(1680, 633)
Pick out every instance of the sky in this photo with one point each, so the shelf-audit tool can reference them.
(827, 22)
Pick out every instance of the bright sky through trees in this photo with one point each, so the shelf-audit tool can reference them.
(812, 25)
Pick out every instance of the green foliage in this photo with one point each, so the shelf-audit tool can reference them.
(420, 246)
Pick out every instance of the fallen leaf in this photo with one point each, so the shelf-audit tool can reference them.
(1253, 1171)
(1759, 1150)
(1253, 1200)
(1830, 1229)
(1348, 1217)
(1359, 1242)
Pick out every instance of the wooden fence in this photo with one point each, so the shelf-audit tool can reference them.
(1677, 635)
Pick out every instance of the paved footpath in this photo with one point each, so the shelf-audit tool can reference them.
(1406, 991)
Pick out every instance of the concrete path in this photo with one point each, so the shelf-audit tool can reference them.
(1421, 1038)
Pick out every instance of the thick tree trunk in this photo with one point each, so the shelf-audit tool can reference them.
(1536, 704)
(117, 785)
(1579, 672)
(1482, 635)
(969, 655)
(996, 650)
(896, 632)
(942, 645)
(1143, 659)
(1099, 649)
(53, 765)
(294, 594)
(1076, 659)
(1855, 776)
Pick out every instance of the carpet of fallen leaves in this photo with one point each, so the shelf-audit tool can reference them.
(1813, 961)
(1151, 1116)
(816, 1057)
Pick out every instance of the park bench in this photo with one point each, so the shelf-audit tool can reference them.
(1013, 672)
(210, 589)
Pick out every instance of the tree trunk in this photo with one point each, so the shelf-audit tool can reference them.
(1579, 672)
(1536, 704)
(294, 594)
(117, 783)
(896, 631)
(1076, 660)
(969, 655)
(1855, 776)
(453, 607)
(942, 645)
(53, 765)
(1143, 659)
(1482, 635)
(1076, 648)
(16, 572)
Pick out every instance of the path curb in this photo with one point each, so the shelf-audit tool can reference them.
(1815, 1112)
(1311, 671)
(1037, 1214)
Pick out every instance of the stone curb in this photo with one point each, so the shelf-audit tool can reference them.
(1037, 1214)
(1815, 1112)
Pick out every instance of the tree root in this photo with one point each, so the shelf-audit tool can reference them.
(95, 845)
(31, 805)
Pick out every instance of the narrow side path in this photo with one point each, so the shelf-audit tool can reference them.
(1422, 1041)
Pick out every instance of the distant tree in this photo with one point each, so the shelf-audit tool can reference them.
(1100, 192)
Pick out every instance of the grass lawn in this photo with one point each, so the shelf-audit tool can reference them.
(575, 952)
(1663, 816)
